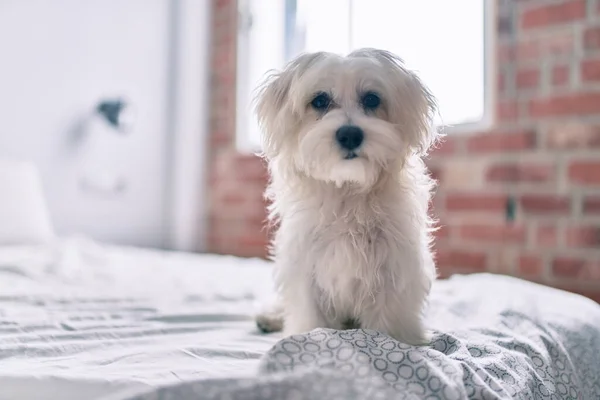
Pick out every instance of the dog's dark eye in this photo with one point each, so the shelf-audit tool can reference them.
(370, 101)
(321, 102)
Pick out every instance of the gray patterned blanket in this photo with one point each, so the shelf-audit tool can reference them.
(494, 338)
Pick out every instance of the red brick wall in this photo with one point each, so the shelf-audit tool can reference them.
(543, 155)
(236, 208)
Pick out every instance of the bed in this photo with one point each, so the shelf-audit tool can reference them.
(83, 320)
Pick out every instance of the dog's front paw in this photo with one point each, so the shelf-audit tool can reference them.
(270, 319)
(268, 323)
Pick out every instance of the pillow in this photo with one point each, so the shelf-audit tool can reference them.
(24, 218)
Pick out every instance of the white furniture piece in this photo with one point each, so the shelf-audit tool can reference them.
(24, 218)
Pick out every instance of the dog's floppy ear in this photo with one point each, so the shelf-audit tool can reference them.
(271, 108)
(414, 117)
(425, 107)
(272, 99)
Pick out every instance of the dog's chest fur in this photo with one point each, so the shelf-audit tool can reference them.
(348, 248)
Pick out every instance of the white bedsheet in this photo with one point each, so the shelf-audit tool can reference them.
(79, 320)
(84, 321)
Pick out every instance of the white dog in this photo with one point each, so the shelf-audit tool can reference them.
(344, 137)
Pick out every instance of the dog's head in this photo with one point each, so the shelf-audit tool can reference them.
(345, 119)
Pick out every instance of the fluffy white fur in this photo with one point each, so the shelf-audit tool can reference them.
(352, 248)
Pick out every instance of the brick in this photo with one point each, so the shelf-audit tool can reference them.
(476, 202)
(212, 241)
(502, 259)
(213, 178)
(587, 292)
(444, 272)
(545, 204)
(565, 104)
(222, 57)
(463, 260)
(508, 233)
(583, 236)
(527, 50)
(249, 251)
(527, 78)
(250, 167)
(585, 172)
(220, 245)
(254, 192)
(591, 38)
(573, 135)
(446, 146)
(591, 294)
(553, 14)
(520, 172)
(546, 236)
(224, 227)
(220, 138)
(442, 232)
(501, 83)
(436, 173)
(461, 173)
(573, 267)
(222, 20)
(567, 267)
(591, 205)
(560, 75)
(554, 43)
(257, 221)
(557, 43)
(223, 4)
(590, 70)
(232, 199)
(256, 239)
(493, 142)
(507, 110)
(505, 53)
(530, 266)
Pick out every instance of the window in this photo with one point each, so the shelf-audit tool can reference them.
(448, 43)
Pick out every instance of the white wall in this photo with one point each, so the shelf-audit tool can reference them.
(57, 60)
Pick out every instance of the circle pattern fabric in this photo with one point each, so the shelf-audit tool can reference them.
(542, 344)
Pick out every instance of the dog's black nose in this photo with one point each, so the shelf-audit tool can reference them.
(349, 137)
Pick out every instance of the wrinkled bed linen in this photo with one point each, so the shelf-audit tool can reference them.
(494, 338)
(80, 320)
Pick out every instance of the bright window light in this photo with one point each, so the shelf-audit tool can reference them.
(445, 42)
